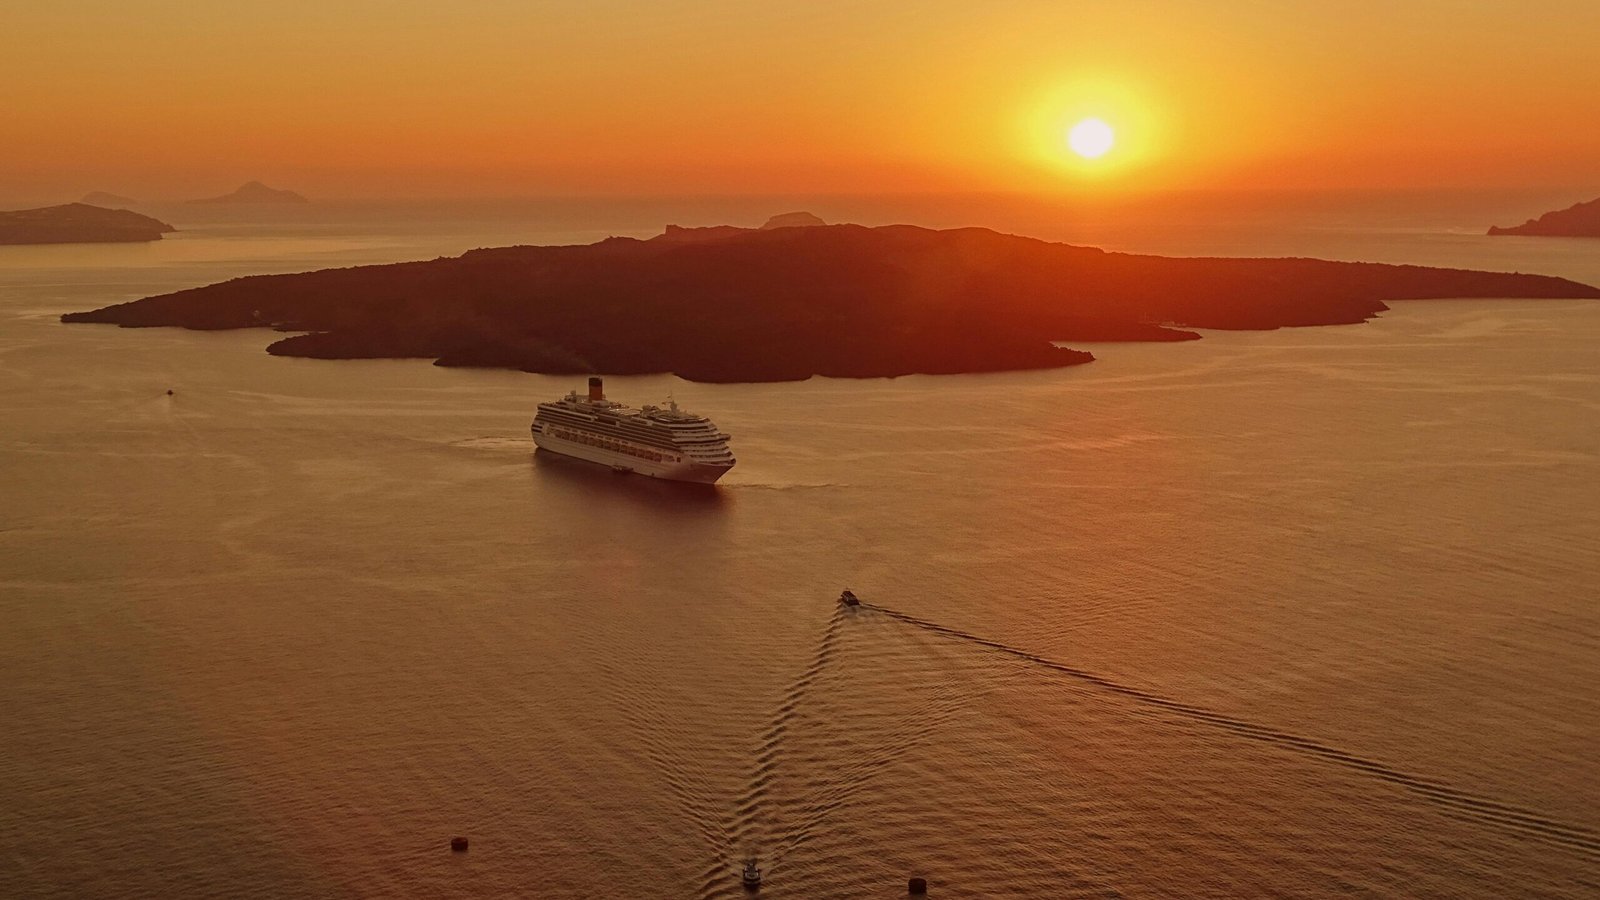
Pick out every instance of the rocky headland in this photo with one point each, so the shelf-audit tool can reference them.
(78, 223)
(1577, 220)
(733, 304)
(255, 192)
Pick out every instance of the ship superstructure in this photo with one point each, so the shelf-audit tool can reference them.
(655, 441)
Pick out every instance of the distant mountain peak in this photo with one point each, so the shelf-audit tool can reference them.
(256, 192)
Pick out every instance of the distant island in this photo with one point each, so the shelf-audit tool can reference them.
(738, 305)
(1577, 220)
(793, 220)
(255, 192)
(78, 223)
(109, 201)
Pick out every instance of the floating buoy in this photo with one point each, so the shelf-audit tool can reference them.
(169, 392)
(458, 844)
(917, 886)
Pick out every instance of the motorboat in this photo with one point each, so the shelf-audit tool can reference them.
(848, 598)
(752, 874)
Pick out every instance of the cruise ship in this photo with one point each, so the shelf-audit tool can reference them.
(661, 443)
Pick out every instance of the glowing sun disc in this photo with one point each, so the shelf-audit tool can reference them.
(1091, 138)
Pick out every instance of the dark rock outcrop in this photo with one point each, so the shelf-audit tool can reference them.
(256, 192)
(793, 220)
(787, 303)
(682, 234)
(1577, 220)
(78, 223)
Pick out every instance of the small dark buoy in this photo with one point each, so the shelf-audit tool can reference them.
(169, 392)
(917, 886)
(458, 844)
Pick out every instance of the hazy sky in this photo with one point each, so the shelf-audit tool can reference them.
(519, 96)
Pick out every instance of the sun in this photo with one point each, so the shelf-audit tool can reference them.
(1091, 138)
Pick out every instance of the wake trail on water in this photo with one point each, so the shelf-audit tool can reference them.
(742, 825)
(747, 813)
(756, 818)
(661, 739)
(1508, 818)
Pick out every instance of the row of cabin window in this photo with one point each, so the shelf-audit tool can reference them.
(606, 444)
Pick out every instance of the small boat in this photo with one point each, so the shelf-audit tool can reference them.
(752, 874)
(848, 598)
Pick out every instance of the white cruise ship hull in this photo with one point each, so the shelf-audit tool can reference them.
(700, 473)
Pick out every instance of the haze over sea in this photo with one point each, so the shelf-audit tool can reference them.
(1269, 613)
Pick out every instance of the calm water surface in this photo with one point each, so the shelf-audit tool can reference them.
(1290, 613)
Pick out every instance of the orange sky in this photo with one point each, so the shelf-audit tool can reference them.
(481, 97)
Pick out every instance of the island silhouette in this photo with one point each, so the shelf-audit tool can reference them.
(78, 223)
(793, 220)
(255, 192)
(1577, 220)
(727, 304)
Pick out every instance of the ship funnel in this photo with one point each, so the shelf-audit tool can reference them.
(596, 389)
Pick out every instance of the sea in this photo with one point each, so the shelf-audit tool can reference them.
(1297, 613)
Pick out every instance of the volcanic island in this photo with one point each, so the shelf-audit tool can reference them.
(728, 304)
